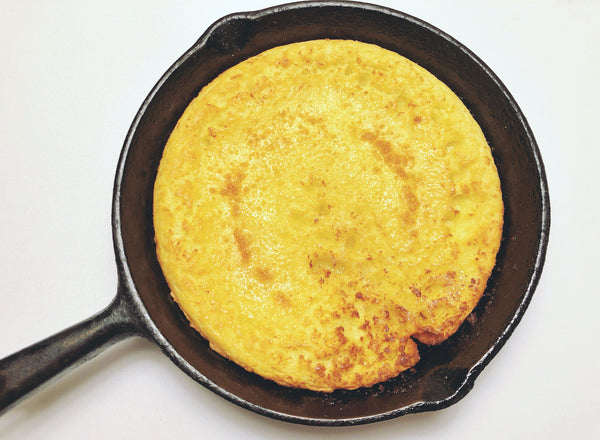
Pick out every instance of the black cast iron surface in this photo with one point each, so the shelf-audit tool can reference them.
(143, 305)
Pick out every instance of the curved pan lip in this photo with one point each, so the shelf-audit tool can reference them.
(155, 334)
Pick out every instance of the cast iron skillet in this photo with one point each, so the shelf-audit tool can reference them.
(143, 306)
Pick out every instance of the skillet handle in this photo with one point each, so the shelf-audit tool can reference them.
(28, 369)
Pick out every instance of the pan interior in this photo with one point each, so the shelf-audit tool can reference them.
(447, 371)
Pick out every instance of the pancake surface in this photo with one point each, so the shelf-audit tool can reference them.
(321, 205)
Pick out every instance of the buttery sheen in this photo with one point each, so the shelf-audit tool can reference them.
(320, 206)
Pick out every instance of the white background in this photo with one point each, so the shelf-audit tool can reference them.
(72, 76)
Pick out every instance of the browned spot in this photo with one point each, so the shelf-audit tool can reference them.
(314, 120)
(282, 299)
(411, 199)
(284, 62)
(339, 332)
(320, 369)
(384, 372)
(417, 119)
(359, 295)
(407, 357)
(397, 162)
(233, 184)
(429, 336)
(235, 208)
(416, 291)
(263, 275)
(384, 147)
(345, 364)
(474, 283)
(449, 278)
(243, 244)
(390, 337)
(402, 359)
(368, 136)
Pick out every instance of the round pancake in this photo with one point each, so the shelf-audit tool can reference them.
(320, 206)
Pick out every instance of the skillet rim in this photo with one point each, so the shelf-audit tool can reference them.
(153, 332)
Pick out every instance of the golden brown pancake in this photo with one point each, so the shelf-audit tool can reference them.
(320, 206)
